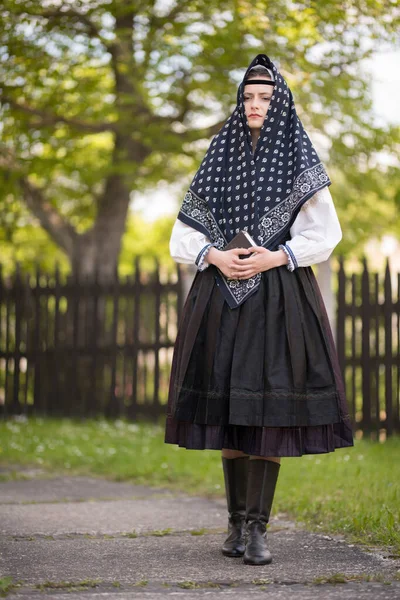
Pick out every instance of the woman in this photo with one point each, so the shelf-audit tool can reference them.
(254, 371)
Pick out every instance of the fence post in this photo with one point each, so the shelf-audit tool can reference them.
(113, 408)
(377, 354)
(58, 390)
(157, 333)
(18, 299)
(365, 348)
(387, 311)
(136, 332)
(94, 344)
(38, 402)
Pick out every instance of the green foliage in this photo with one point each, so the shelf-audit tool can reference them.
(31, 246)
(147, 240)
(96, 93)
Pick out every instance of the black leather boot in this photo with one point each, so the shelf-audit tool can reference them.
(261, 482)
(235, 475)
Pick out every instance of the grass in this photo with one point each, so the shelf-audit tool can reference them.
(68, 585)
(336, 578)
(353, 491)
(192, 585)
(7, 585)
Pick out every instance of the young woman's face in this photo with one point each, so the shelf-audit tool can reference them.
(257, 98)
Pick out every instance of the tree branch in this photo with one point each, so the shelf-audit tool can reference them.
(127, 87)
(8, 162)
(186, 104)
(46, 118)
(59, 230)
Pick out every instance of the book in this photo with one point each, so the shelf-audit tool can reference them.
(241, 240)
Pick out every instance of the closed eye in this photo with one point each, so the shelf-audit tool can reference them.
(264, 98)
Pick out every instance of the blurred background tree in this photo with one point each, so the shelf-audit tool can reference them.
(101, 100)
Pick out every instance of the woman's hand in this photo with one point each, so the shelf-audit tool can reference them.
(259, 259)
(227, 261)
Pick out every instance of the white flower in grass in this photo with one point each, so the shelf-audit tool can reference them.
(75, 451)
(15, 446)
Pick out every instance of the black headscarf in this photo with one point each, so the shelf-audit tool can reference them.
(261, 193)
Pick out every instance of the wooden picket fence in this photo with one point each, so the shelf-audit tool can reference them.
(368, 345)
(82, 348)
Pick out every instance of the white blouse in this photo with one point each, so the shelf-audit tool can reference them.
(314, 234)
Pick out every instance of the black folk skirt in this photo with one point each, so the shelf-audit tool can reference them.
(262, 378)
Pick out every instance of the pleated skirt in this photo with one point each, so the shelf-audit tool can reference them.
(262, 378)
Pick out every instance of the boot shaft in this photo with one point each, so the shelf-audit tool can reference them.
(261, 484)
(235, 477)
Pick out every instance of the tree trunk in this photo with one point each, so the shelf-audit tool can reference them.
(99, 248)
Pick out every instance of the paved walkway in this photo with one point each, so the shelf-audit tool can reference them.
(79, 537)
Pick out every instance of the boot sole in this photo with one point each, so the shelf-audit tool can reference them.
(233, 554)
(257, 563)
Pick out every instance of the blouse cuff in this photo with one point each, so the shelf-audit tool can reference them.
(200, 260)
(292, 262)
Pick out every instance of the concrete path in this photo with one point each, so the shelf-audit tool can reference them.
(79, 537)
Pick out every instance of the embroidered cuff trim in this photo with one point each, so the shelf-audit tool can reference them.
(292, 262)
(200, 260)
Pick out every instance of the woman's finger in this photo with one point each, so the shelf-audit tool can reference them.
(241, 268)
(258, 249)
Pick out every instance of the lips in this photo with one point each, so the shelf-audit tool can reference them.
(254, 115)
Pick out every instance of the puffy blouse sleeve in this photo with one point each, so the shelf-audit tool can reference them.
(315, 232)
(189, 246)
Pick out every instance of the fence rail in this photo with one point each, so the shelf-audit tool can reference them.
(83, 348)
